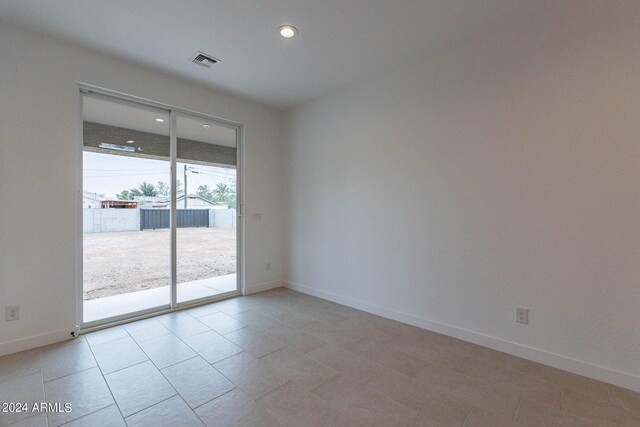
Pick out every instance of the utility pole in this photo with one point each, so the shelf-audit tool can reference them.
(186, 194)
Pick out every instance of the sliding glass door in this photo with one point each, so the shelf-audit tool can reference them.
(159, 209)
(206, 208)
(126, 169)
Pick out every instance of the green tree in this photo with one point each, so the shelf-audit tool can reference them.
(147, 189)
(164, 189)
(224, 194)
(231, 201)
(123, 195)
(144, 189)
(222, 191)
(205, 192)
(128, 194)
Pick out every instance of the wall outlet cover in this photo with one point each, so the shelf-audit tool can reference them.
(522, 316)
(12, 313)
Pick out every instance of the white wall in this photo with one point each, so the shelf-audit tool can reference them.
(222, 218)
(109, 220)
(39, 124)
(503, 173)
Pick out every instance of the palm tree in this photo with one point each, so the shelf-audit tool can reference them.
(224, 194)
(144, 189)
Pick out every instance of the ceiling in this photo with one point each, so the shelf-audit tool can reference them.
(340, 41)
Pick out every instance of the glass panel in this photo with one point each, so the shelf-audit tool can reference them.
(206, 209)
(125, 208)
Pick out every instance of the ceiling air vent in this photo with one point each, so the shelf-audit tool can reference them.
(204, 59)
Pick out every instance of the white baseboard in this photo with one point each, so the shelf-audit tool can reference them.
(47, 338)
(248, 290)
(580, 367)
(34, 341)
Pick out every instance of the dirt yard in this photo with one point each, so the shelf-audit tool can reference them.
(118, 263)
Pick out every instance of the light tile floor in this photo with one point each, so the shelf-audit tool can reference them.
(281, 358)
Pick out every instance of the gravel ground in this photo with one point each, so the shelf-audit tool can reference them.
(117, 263)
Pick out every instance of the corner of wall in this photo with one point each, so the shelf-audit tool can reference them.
(261, 287)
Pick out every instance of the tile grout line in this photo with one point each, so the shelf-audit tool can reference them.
(257, 358)
(515, 416)
(271, 352)
(272, 391)
(413, 420)
(122, 369)
(73, 373)
(159, 371)
(245, 392)
(217, 370)
(176, 363)
(157, 403)
(91, 413)
(228, 379)
(196, 317)
(115, 402)
(193, 357)
(217, 397)
(468, 415)
(162, 336)
(106, 383)
(44, 390)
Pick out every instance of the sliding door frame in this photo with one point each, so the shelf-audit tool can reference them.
(173, 305)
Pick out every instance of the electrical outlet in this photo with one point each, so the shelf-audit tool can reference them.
(257, 216)
(12, 313)
(267, 266)
(522, 315)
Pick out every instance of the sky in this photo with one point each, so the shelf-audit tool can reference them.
(110, 174)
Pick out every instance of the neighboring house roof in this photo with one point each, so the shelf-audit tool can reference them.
(108, 203)
(150, 199)
(196, 197)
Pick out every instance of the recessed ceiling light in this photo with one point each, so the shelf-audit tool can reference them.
(206, 126)
(160, 120)
(131, 141)
(287, 31)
